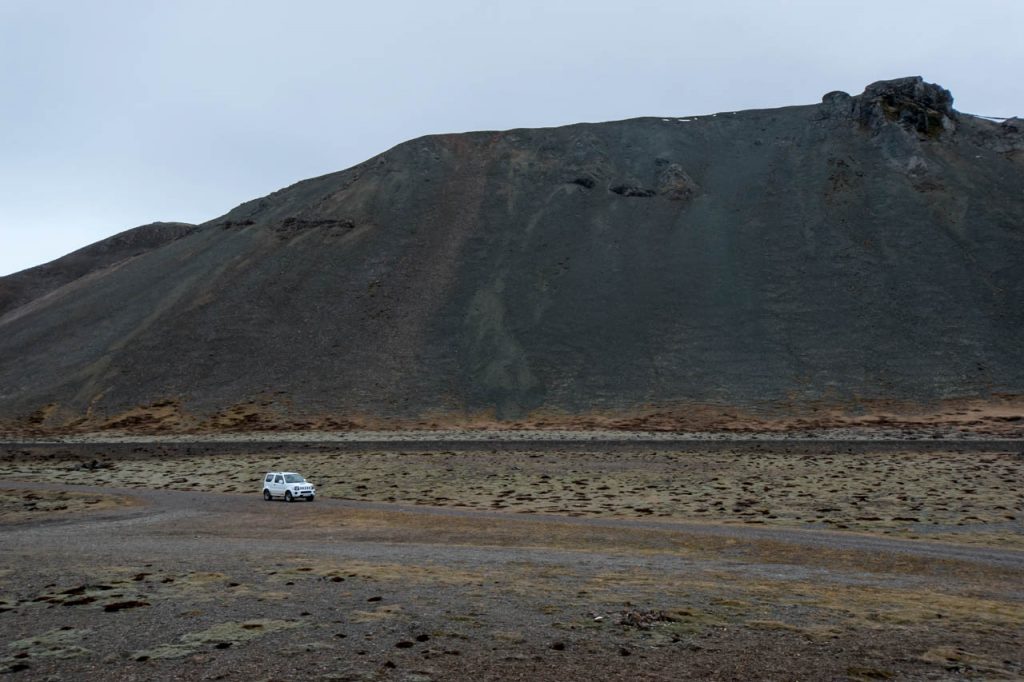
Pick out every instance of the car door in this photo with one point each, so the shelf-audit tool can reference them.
(278, 489)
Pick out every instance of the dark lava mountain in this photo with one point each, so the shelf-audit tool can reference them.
(830, 259)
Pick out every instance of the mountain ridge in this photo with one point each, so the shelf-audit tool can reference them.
(26, 285)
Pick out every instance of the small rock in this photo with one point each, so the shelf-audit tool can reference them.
(835, 97)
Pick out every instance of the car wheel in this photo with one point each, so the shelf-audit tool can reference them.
(312, 497)
(288, 496)
(266, 495)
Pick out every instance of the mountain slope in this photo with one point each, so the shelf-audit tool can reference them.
(22, 287)
(862, 251)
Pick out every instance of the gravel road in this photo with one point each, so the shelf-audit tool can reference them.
(159, 505)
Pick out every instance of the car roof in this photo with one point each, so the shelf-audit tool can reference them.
(284, 473)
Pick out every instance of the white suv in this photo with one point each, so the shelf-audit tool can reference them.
(287, 484)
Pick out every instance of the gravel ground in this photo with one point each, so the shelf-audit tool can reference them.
(442, 437)
(950, 492)
(161, 584)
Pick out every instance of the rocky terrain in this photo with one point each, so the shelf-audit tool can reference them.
(856, 261)
(787, 561)
(968, 493)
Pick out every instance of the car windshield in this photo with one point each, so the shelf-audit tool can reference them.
(294, 478)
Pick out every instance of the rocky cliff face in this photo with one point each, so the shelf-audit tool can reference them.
(866, 250)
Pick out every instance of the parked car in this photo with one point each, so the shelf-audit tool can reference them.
(287, 485)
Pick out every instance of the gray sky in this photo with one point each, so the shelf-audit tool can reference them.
(115, 113)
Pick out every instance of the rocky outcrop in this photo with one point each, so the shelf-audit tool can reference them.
(913, 104)
(923, 107)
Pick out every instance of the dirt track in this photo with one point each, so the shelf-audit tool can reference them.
(206, 585)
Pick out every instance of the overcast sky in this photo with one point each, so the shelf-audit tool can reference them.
(119, 113)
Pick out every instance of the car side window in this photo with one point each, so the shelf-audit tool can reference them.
(269, 478)
(278, 479)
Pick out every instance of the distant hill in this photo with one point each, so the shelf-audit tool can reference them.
(23, 287)
(803, 264)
